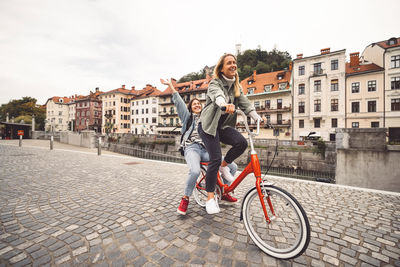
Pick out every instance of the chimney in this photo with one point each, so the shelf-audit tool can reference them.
(123, 86)
(325, 51)
(254, 75)
(290, 66)
(97, 89)
(299, 56)
(354, 60)
(133, 88)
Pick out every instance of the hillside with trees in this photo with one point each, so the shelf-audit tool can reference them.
(22, 110)
(248, 61)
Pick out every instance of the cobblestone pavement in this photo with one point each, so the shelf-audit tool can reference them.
(68, 208)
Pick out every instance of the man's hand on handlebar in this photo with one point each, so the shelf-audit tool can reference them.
(229, 108)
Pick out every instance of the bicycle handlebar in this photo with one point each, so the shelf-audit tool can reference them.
(241, 113)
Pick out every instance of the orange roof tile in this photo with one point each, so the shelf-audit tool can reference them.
(188, 87)
(270, 78)
(362, 68)
(385, 44)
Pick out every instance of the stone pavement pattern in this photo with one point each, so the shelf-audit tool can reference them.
(71, 208)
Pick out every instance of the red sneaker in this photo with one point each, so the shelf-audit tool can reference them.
(228, 198)
(183, 206)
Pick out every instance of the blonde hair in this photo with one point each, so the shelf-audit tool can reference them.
(217, 73)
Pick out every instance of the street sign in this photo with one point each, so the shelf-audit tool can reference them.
(21, 132)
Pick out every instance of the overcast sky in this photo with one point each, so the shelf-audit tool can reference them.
(65, 47)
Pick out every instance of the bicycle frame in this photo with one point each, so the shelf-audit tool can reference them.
(252, 167)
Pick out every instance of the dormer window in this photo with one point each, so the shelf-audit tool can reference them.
(282, 86)
(392, 41)
(250, 82)
(250, 91)
(268, 88)
(280, 77)
(198, 85)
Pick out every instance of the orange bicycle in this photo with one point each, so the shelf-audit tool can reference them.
(273, 218)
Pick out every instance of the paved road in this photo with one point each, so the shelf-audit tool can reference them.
(69, 207)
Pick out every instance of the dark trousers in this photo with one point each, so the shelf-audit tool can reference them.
(229, 136)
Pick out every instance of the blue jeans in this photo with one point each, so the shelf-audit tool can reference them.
(194, 154)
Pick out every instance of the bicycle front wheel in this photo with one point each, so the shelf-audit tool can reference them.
(288, 234)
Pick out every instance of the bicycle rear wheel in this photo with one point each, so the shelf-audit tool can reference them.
(200, 192)
(288, 234)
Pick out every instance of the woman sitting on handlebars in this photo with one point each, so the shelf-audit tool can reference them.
(215, 126)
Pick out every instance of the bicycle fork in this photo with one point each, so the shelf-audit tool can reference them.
(261, 195)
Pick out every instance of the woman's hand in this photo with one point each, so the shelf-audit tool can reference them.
(169, 83)
(230, 108)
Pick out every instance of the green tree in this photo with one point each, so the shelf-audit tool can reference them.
(24, 109)
(193, 76)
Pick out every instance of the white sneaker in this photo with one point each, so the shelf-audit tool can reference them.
(212, 206)
(226, 174)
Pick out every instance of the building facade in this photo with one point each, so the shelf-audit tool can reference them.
(88, 112)
(57, 114)
(270, 94)
(144, 111)
(168, 120)
(364, 94)
(386, 54)
(319, 94)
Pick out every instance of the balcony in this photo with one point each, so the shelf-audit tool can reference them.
(275, 123)
(318, 72)
(167, 113)
(263, 109)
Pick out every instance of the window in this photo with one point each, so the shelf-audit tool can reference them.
(317, 86)
(154, 120)
(77, 114)
(334, 104)
(147, 111)
(172, 110)
(374, 124)
(142, 120)
(154, 110)
(301, 107)
(267, 104)
(395, 83)
(301, 70)
(334, 123)
(279, 103)
(317, 68)
(282, 86)
(147, 120)
(355, 124)
(355, 107)
(372, 106)
(60, 121)
(301, 89)
(177, 121)
(276, 132)
(317, 105)
(395, 104)
(147, 101)
(301, 123)
(395, 61)
(334, 64)
(171, 121)
(154, 100)
(268, 118)
(267, 88)
(250, 91)
(335, 85)
(257, 104)
(60, 113)
(372, 86)
(317, 123)
(355, 87)
(279, 118)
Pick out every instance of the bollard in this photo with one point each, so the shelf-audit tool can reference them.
(20, 140)
(51, 142)
(99, 147)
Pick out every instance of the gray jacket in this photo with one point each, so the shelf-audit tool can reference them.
(212, 112)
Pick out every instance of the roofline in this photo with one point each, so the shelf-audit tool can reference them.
(330, 53)
(270, 93)
(364, 72)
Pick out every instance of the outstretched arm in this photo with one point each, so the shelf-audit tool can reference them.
(169, 83)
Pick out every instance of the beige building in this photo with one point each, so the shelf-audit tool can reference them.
(386, 54)
(116, 110)
(57, 114)
(270, 94)
(365, 94)
(168, 120)
(319, 94)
